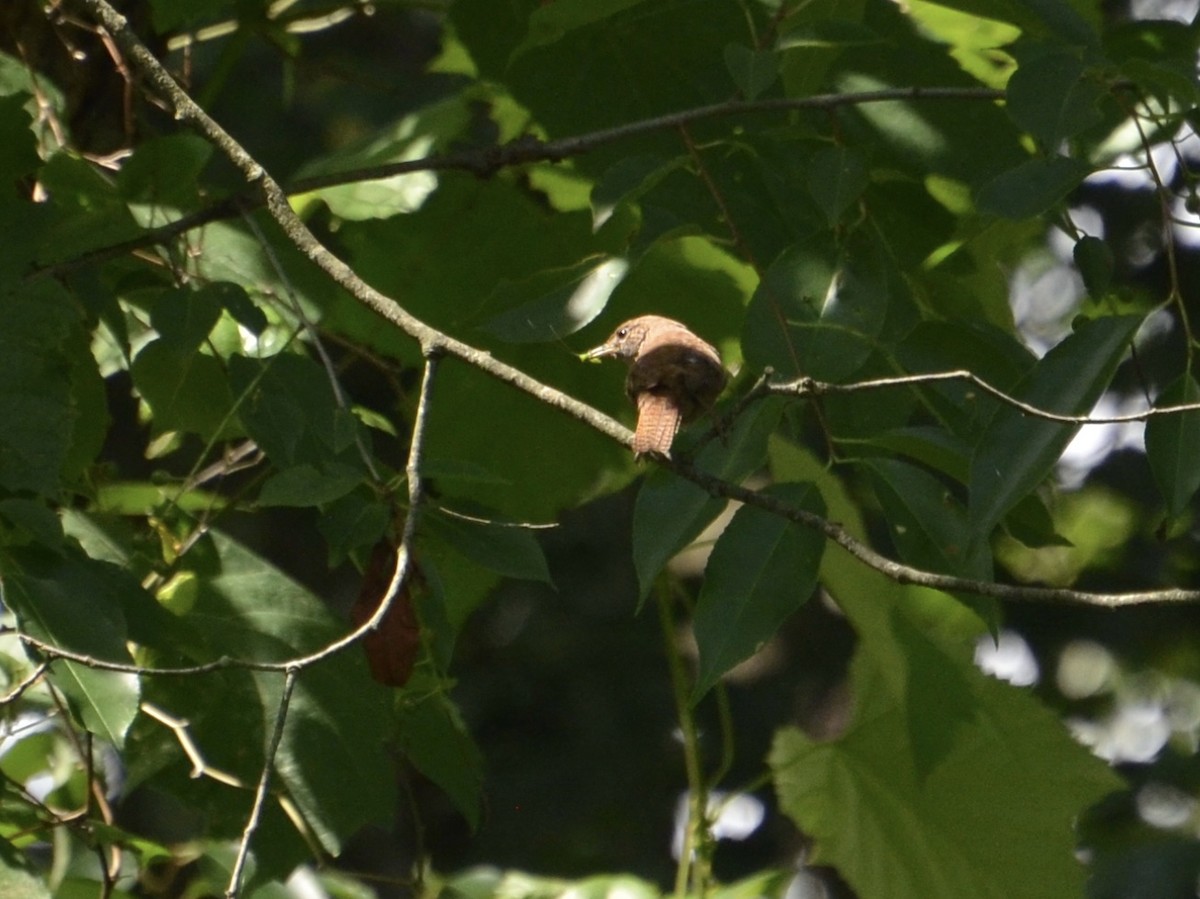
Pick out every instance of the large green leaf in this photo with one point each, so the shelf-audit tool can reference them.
(79, 604)
(1173, 446)
(186, 390)
(1016, 452)
(288, 406)
(1033, 187)
(165, 170)
(1012, 772)
(51, 396)
(934, 744)
(1052, 97)
(507, 548)
(331, 759)
(564, 302)
(437, 742)
(927, 524)
(762, 569)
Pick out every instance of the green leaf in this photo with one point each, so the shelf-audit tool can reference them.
(836, 178)
(18, 883)
(90, 213)
(1016, 452)
(51, 396)
(992, 354)
(185, 390)
(237, 303)
(926, 522)
(415, 136)
(762, 569)
(1032, 188)
(31, 521)
(1095, 262)
(670, 512)
(332, 758)
(509, 550)
(629, 180)
(351, 522)
(753, 71)
(304, 485)
(798, 323)
(289, 409)
(165, 170)
(18, 145)
(1173, 445)
(439, 745)
(563, 308)
(1053, 98)
(75, 603)
(1010, 770)
(551, 23)
(185, 317)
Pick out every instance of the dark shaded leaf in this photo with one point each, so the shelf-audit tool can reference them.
(1173, 446)
(1032, 188)
(76, 603)
(762, 569)
(509, 550)
(1095, 262)
(1016, 451)
(753, 71)
(670, 512)
(1053, 98)
(185, 390)
(837, 176)
(437, 742)
(926, 522)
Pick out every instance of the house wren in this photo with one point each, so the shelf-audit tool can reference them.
(674, 376)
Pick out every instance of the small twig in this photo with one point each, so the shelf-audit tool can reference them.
(264, 783)
(810, 387)
(26, 682)
(200, 768)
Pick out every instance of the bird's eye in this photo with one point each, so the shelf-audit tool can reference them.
(622, 333)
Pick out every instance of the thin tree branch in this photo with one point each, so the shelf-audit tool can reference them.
(264, 783)
(810, 387)
(28, 681)
(416, 490)
(484, 162)
(908, 574)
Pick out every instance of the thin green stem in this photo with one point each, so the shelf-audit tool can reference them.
(691, 867)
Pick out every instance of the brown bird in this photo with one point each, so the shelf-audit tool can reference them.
(674, 376)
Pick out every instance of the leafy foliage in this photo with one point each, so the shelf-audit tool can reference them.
(207, 437)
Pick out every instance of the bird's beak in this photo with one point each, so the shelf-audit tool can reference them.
(598, 353)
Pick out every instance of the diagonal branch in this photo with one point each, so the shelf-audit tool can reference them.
(264, 784)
